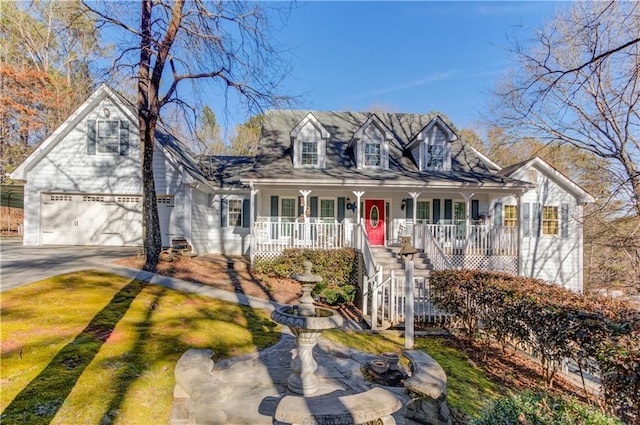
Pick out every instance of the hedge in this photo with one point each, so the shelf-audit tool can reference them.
(337, 267)
(554, 323)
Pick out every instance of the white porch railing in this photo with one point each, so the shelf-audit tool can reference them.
(390, 302)
(456, 239)
(275, 234)
(433, 251)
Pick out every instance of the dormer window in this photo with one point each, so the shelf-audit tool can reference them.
(435, 156)
(431, 148)
(371, 144)
(309, 152)
(309, 141)
(372, 154)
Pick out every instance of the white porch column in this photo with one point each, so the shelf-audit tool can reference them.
(305, 195)
(415, 196)
(252, 219)
(358, 195)
(467, 216)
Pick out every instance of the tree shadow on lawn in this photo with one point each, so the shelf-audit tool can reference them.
(42, 398)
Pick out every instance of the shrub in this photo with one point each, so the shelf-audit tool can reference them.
(534, 408)
(337, 267)
(555, 323)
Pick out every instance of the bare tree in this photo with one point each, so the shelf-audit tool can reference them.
(577, 81)
(214, 44)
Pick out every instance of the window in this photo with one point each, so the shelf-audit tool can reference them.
(435, 156)
(423, 212)
(510, 216)
(327, 210)
(108, 136)
(287, 215)
(234, 215)
(372, 154)
(550, 220)
(309, 153)
(459, 217)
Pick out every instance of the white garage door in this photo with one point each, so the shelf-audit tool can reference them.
(91, 220)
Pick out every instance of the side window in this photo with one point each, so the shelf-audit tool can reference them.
(550, 222)
(234, 215)
(510, 215)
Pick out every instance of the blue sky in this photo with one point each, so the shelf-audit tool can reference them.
(403, 56)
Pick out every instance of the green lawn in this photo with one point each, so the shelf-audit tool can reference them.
(96, 348)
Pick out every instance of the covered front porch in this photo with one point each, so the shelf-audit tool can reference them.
(453, 229)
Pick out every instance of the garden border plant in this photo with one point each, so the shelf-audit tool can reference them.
(337, 267)
(555, 324)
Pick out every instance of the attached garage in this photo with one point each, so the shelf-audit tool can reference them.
(116, 220)
(81, 219)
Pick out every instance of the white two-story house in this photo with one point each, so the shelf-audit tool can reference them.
(320, 180)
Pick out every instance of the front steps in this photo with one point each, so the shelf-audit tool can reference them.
(388, 258)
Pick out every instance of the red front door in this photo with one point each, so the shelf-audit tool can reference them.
(374, 220)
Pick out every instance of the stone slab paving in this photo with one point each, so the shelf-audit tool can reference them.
(247, 389)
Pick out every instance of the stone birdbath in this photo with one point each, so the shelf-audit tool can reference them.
(306, 322)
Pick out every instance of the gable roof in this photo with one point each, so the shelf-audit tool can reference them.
(563, 181)
(170, 144)
(274, 163)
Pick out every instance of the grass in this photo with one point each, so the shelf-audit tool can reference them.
(92, 347)
(469, 389)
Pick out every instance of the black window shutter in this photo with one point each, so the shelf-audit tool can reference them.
(537, 211)
(408, 210)
(341, 209)
(475, 209)
(526, 220)
(314, 206)
(436, 211)
(224, 207)
(124, 137)
(448, 209)
(497, 214)
(91, 137)
(245, 212)
(564, 223)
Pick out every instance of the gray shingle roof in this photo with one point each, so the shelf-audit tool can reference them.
(274, 160)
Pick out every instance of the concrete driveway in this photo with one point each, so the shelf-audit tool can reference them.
(25, 264)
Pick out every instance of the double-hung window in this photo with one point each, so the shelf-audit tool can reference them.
(327, 210)
(435, 156)
(309, 152)
(234, 215)
(108, 136)
(510, 216)
(550, 221)
(423, 212)
(372, 154)
(287, 215)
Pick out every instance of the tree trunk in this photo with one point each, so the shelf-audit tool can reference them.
(147, 119)
(150, 222)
